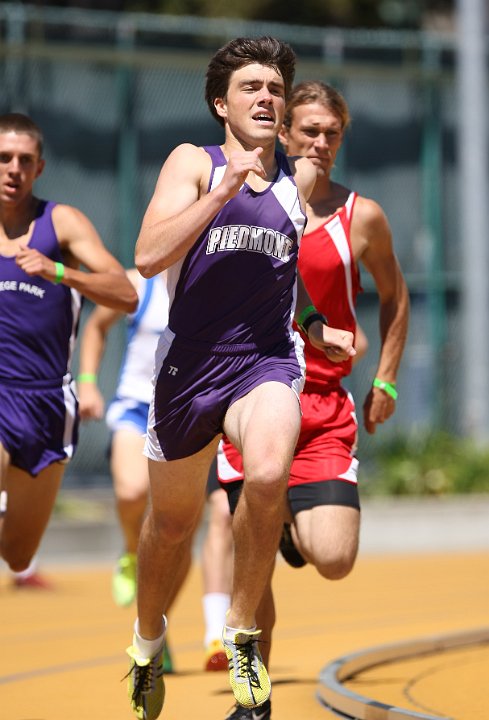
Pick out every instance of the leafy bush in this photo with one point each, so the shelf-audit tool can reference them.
(432, 464)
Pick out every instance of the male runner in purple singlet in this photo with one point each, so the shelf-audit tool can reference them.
(225, 224)
(42, 245)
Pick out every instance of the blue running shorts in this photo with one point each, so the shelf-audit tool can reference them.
(127, 413)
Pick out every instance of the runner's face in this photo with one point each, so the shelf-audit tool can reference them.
(20, 165)
(254, 105)
(316, 133)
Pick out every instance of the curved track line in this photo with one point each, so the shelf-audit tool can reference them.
(62, 668)
(352, 706)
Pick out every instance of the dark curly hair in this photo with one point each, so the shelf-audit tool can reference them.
(236, 54)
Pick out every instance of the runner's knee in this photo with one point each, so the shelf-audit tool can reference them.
(335, 567)
(171, 529)
(266, 482)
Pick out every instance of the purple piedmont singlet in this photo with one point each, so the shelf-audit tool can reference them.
(236, 285)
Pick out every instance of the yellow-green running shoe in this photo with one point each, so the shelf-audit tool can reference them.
(247, 673)
(145, 685)
(124, 580)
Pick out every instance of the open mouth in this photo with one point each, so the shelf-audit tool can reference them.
(263, 118)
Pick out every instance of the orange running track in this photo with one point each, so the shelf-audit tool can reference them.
(63, 651)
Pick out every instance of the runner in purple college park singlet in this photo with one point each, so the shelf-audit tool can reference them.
(42, 246)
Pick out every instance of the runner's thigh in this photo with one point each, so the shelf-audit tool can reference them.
(264, 424)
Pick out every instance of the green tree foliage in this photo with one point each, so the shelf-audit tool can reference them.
(339, 13)
(427, 464)
(308, 12)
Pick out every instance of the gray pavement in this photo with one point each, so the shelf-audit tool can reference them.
(451, 524)
(85, 527)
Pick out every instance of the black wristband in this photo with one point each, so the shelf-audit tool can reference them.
(310, 319)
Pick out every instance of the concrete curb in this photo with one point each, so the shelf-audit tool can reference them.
(350, 705)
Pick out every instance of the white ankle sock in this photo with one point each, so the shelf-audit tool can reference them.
(215, 606)
(30, 569)
(229, 632)
(148, 648)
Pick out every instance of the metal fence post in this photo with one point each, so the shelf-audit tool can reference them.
(473, 149)
(127, 153)
(431, 154)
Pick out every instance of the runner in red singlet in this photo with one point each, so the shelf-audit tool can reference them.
(344, 229)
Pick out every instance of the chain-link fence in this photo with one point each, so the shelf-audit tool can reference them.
(115, 93)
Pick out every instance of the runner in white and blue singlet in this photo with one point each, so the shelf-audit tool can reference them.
(133, 394)
(127, 418)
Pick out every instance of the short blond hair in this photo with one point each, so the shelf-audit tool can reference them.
(313, 91)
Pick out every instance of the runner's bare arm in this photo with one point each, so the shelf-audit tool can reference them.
(336, 344)
(92, 348)
(377, 255)
(80, 244)
(181, 208)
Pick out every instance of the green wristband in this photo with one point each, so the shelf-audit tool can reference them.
(389, 388)
(309, 310)
(60, 272)
(87, 378)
